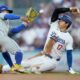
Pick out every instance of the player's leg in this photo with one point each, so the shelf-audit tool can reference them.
(40, 64)
(46, 64)
(7, 58)
(27, 63)
(12, 47)
(5, 54)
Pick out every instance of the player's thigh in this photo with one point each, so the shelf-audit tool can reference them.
(2, 38)
(34, 61)
(11, 46)
(7, 43)
(47, 64)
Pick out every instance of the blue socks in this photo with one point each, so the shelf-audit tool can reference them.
(7, 58)
(69, 58)
(18, 57)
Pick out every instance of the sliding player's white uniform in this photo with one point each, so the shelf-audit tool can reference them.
(44, 63)
(64, 42)
(6, 42)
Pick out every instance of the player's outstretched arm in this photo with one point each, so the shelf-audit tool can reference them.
(47, 49)
(30, 16)
(15, 17)
(19, 28)
(58, 11)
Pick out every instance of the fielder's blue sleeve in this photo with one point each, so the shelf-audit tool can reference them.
(18, 28)
(11, 16)
(69, 58)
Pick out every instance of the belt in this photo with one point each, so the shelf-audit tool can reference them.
(48, 56)
(58, 59)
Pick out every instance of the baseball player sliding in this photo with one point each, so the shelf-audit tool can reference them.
(57, 42)
(9, 45)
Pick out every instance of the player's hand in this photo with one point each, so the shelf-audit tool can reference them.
(31, 14)
(25, 19)
(75, 10)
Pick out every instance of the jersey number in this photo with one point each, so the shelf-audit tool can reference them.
(59, 46)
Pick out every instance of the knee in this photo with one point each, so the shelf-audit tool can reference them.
(16, 51)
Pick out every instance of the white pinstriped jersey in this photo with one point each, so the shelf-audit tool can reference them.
(6, 42)
(4, 24)
(64, 40)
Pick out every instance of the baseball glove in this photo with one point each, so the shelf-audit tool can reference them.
(31, 14)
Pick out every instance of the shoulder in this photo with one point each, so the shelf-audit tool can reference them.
(54, 26)
(54, 23)
(2, 15)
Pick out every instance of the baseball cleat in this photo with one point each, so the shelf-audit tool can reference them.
(17, 68)
(72, 71)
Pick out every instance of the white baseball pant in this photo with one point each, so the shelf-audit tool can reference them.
(42, 63)
(8, 44)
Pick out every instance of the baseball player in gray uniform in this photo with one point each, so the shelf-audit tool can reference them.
(9, 45)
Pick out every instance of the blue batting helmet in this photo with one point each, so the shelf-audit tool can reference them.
(5, 8)
(66, 18)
